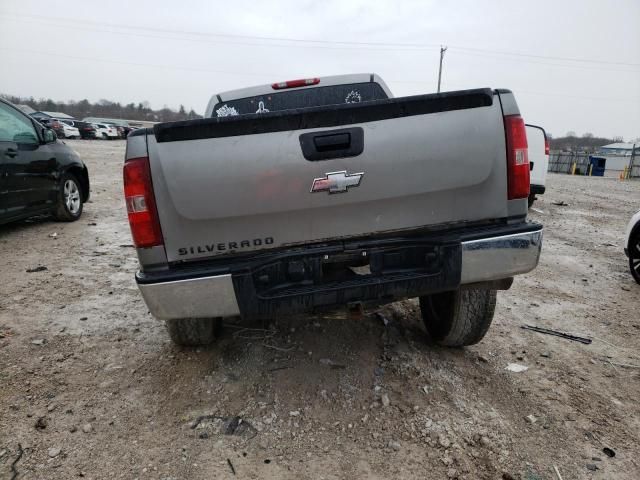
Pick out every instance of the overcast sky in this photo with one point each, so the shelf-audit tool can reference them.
(573, 65)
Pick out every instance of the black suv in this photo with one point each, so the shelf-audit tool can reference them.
(38, 174)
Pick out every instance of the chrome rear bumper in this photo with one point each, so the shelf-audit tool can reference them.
(485, 259)
(193, 298)
(495, 258)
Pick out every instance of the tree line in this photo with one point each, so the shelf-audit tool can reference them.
(106, 109)
(585, 143)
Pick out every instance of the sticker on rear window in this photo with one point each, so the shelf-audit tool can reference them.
(353, 97)
(226, 111)
(261, 108)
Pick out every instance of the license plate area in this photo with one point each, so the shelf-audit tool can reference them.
(388, 273)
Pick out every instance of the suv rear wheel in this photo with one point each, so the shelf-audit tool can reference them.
(458, 318)
(193, 331)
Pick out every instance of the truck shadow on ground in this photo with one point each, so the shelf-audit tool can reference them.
(314, 365)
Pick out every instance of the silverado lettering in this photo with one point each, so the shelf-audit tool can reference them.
(219, 247)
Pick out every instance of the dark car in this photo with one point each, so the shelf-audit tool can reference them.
(127, 130)
(87, 130)
(38, 174)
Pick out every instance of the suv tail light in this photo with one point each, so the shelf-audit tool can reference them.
(517, 157)
(303, 82)
(141, 205)
(546, 145)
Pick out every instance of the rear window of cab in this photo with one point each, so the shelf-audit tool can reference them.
(302, 98)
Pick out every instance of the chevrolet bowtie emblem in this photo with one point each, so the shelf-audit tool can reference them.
(336, 182)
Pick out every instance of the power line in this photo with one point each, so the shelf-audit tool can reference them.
(322, 42)
(136, 64)
(221, 41)
(342, 48)
(561, 65)
(304, 43)
(280, 75)
(546, 57)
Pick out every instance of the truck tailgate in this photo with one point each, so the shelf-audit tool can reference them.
(244, 183)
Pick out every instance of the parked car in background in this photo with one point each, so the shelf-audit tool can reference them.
(38, 174)
(54, 125)
(123, 130)
(104, 131)
(538, 159)
(69, 130)
(61, 127)
(632, 246)
(121, 125)
(87, 131)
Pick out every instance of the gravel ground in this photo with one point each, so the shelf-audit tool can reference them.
(90, 385)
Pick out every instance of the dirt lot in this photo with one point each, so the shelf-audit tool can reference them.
(91, 387)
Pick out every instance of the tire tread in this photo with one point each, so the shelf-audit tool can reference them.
(468, 321)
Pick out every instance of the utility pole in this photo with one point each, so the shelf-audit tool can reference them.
(442, 50)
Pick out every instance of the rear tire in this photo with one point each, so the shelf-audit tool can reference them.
(190, 332)
(458, 318)
(634, 254)
(532, 198)
(70, 196)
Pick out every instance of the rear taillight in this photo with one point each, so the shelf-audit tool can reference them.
(517, 157)
(546, 146)
(303, 82)
(141, 205)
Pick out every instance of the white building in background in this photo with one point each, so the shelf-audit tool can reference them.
(618, 155)
(618, 149)
(48, 115)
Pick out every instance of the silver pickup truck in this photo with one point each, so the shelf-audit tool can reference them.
(311, 194)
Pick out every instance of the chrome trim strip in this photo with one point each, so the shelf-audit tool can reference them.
(500, 257)
(192, 298)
